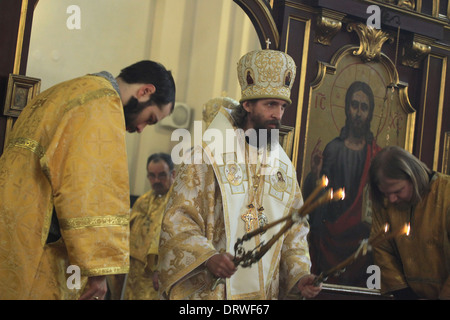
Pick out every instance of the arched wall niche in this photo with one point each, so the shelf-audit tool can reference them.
(199, 40)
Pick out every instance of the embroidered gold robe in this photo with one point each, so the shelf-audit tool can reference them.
(421, 260)
(66, 152)
(204, 217)
(145, 227)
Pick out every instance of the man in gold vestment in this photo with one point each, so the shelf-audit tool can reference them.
(219, 196)
(141, 283)
(405, 190)
(64, 189)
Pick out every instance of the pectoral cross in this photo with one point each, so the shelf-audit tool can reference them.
(268, 43)
(249, 217)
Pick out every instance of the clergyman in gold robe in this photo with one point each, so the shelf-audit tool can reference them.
(141, 282)
(405, 191)
(64, 188)
(221, 194)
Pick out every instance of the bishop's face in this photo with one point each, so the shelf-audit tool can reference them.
(264, 114)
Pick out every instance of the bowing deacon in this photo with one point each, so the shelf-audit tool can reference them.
(64, 189)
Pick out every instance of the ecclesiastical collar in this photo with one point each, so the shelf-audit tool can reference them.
(108, 76)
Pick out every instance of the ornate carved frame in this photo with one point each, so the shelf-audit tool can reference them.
(369, 52)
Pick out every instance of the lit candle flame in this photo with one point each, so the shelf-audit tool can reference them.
(320, 186)
(386, 227)
(407, 229)
(342, 193)
(339, 194)
(324, 181)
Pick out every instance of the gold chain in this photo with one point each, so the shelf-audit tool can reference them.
(255, 210)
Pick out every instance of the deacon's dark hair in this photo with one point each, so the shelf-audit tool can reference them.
(393, 162)
(156, 157)
(150, 72)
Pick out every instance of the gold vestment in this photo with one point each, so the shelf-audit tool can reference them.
(66, 154)
(145, 227)
(420, 260)
(204, 217)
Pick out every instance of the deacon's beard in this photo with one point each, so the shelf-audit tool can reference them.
(132, 109)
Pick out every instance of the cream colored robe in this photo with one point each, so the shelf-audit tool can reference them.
(198, 224)
(66, 151)
(421, 260)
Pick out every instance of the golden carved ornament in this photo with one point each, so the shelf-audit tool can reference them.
(415, 51)
(371, 41)
(407, 4)
(328, 23)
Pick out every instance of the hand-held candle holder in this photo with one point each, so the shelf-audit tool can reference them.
(247, 258)
(365, 246)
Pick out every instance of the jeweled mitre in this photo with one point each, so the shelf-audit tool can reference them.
(266, 74)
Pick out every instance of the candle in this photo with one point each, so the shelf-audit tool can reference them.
(367, 244)
(405, 230)
(244, 258)
(339, 195)
(379, 234)
(307, 209)
(323, 183)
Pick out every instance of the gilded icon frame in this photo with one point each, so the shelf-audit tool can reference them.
(286, 139)
(394, 115)
(446, 157)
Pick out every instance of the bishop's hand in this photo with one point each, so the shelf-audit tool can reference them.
(221, 265)
(307, 287)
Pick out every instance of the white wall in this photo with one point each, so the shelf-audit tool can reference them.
(199, 40)
(113, 34)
